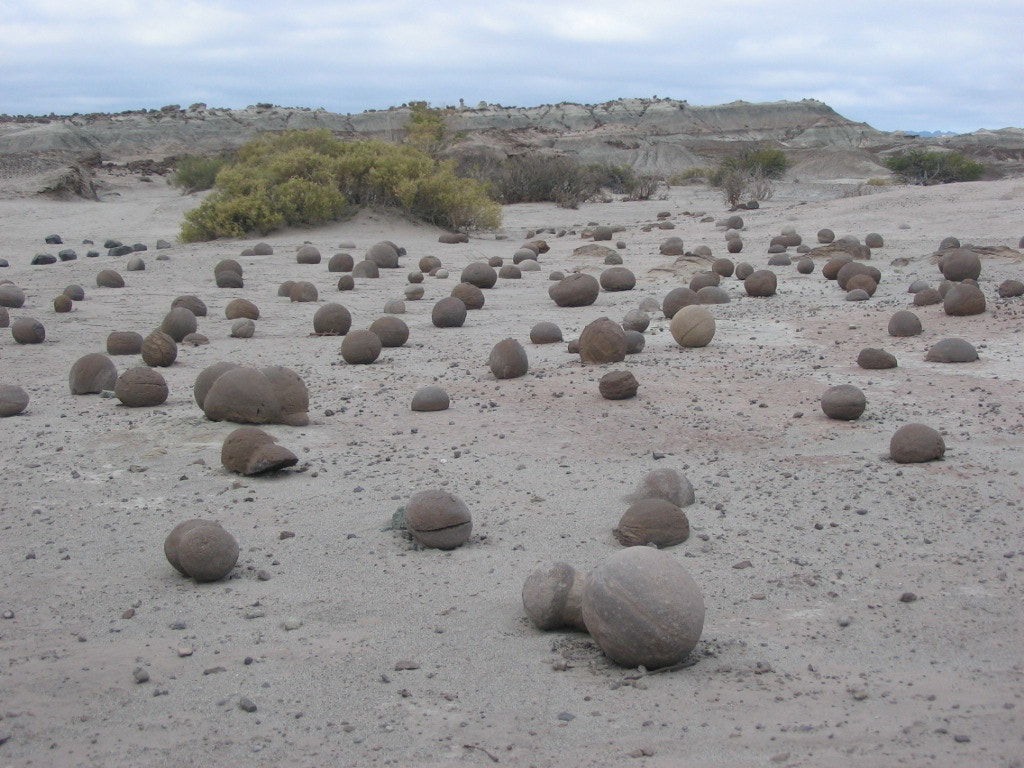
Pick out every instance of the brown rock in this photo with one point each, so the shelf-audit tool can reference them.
(272, 395)
(237, 308)
(545, 333)
(576, 290)
(384, 254)
(124, 343)
(678, 298)
(724, 267)
(844, 402)
(361, 347)
(1010, 288)
(207, 552)
(206, 378)
(617, 279)
(904, 323)
(193, 304)
(618, 385)
(470, 295)
(159, 350)
(875, 359)
(963, 299)
(952, 351)
(28, 330)
(13, 400)
(960, 264)
(553, 597)
(392, 331)
(508, 360)
(178, 323)
(108, 278)
(303, 291)
(602, 341)
(438, 519)
(307, 254)
(141, 388)
(332, 319)
(692, 326)
(341, 262)
(479, 274)
(916, 443)
(366, 268)
(92, 374)
(449, 312)
(251, 451)
(761, 283)
(926, 297)
(62, 304)
(432, 398)
(652, 521)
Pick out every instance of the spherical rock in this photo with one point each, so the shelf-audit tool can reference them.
(603, 233)
(642, 607)
(852, 268)
(392, 331)
(545, 333)
(440, 274)
(576, 290)
(652, 521)
(207, 552)
(193, 304)
(692, 326)
(779, 260)
(618, 385)
(394, 307)
(672, 246)
(207, 377)
(734, 222)
(602, 341)
(263, 249)
(285, 288)
(141, 388)
(124, 343)
(178, 323)
(195, 340)
(469, 294)
(704, 280)
(13, 400)
(762, 282)
(135, 264)
(479, 274)
(553, 597)
(873, 240)
(62, 304)
(831, 269)
(11, 296)
(960, 264)
(74, 292)
(346, 283)
(529, 265)
(523, 254)
(228, 279)
(952, 351)
(724, 267)
(713, 294)
(871, 358)
(237, 308)
(384, 254)
(735, 245)
(510, 272)
(862, 282)
(227, 265)
(251, 451)
(307, 254)
(271, 395)
(678, 298)
(174, 539)
(805, 266)
(963, 299)
(826, 236)
(92, 374)
(508, 360)
(635, 320)
(429, 263)
(844, 402)
(449, 312)
(303, 291)
(243, 328)
(361, 347)
(926, 297)
(904, 323)
(1010, 288)
(332, 319)
(28, 330)
(916, 443)
(366, 268)
(108, 278)
(617, 279)
(431, 398)
(857, 294)
(341, 262)
(635, 342)
(438, 519)
(159, 350)
(743, 270)
(415, 277)
(668, 484)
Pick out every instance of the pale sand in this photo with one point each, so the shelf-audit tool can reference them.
(543, 463)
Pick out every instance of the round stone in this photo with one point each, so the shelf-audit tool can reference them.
(366, 268)
(642, 607)
(307, 254)
(617, 279)
(761, 283)
(713, 294)
(207, 552)
(227, 265)
(960, 264)
(178, 323)
(862, 282)
(469, 294)
(618, 385)
(361, 347)
(75, 292)
(844, 402)
(92, 374)
(124, 343)
(1010, 288)
(545, 333)
(263, 249)
(13, 400)
(251, 451)
(108, 278)
(135, 264)
(392, 331)
(449, 312)
(438, 519)
(413, 292)
(270, 395)
(857, 294)
(11, 296)
(692, 326)
(602, 341)
(228, 279)
(652, 521)
(384, 254)
(916, 443)
(303, 291)
(429, 263)
(826, 236)
(926, 297)
(28, 330)
(723, 267)
(635, 320)
(635, 342)
(332, 319)
(576, 290)
(672, 246)
(873, 240)
(805, 266)
(243, 328)
(963, 299)
(174, 539)
(952, 351)
(346, 283)
(743, 270)
(904, 323)
(678, 298)
(414, 277)
(62, 304)
(193, 304)
(871, 358)
(238, 308)
(508, 360)
(431, 398)
(510, 272)
(831, 269)
(141, 387)
(479, 274)
(852, 268)
(207, 377)
(159, 350)
(341, 262)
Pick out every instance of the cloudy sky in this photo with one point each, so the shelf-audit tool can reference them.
(904, 64)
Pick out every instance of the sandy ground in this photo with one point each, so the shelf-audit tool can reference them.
(808, 656)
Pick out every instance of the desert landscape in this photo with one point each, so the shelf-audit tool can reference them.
(858, 610)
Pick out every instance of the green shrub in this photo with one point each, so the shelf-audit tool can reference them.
(193, 173)
(310, 177)
(921, 166)
(699, 173)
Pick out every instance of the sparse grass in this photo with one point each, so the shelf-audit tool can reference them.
(193, 173)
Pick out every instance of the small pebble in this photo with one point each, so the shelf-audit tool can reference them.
(246, 704)
(844, 621)
(8, 614)
(961, 738)
(292, 623)
(908, 597)
(566, 716)
(140, 675)
(183, 652)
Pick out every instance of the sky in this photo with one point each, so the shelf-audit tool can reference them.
(903, 65)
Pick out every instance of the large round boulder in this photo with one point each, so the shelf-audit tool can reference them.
(915, 444)
(602, 341)
(508, 360)
(576, 290)
(92, 374)
(692, 326)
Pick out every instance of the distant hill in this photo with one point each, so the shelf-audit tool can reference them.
(662, 136)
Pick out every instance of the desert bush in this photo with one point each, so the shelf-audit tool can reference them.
(921, 166)
(193, 173)
(429, 129)
(310, 177)
(541, 178)
(749, 174)
(700, 173)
